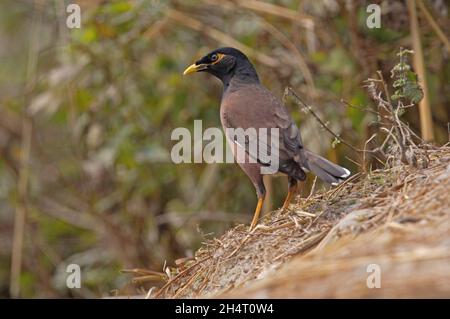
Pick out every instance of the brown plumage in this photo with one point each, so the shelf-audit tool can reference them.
(247, 104)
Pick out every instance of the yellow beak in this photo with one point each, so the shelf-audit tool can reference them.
(195, 68)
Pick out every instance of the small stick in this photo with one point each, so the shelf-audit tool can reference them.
(163, 288)
(291, 92)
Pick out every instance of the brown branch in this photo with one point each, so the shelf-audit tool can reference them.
(426, 121)
(24, 168)
(441, 35)
(220, 36)
(21, 209)
(276, 10)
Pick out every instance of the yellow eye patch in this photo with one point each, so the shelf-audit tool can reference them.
(219, 57)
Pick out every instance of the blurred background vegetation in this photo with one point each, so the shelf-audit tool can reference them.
(87, 114)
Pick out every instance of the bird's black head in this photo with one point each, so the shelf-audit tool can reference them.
(225, 64)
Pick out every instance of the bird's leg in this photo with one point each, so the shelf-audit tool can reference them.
(257, 212)
(292, 190)
(261, 193)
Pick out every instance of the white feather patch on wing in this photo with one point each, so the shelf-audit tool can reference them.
(347, 173)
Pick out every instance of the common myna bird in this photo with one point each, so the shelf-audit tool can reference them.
(246, 103)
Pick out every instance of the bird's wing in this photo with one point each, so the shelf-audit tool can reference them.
(256, 107)
(291, 134)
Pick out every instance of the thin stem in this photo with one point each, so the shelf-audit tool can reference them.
(24, 170)
(441, 35)
(426, 121)
(310, 110)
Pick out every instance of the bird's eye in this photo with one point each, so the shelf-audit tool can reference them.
(214, 57)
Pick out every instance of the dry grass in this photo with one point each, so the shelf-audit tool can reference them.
(397, 218)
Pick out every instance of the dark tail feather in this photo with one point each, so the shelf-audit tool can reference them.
(324, 169)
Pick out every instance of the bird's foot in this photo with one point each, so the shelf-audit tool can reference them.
(286, 204)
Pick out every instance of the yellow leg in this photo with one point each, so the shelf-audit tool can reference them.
(291, 193)
(257, 213)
